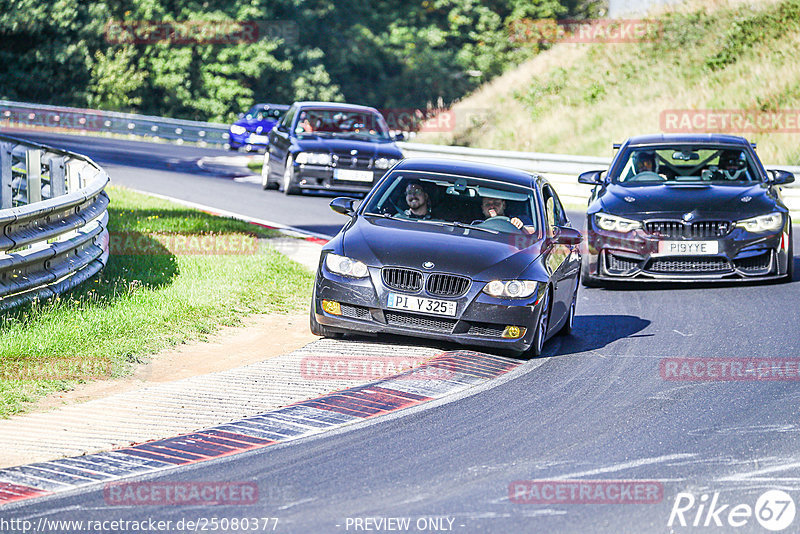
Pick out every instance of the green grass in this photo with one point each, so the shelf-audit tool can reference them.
(255, 165)
(142, 303)
(579, 98)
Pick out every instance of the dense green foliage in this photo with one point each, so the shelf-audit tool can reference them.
(385, 53)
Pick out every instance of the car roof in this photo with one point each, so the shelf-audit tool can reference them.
(705, 139)
(283, 107)
(334, 105)
(468, 169)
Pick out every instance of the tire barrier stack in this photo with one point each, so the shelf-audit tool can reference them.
(53, 216)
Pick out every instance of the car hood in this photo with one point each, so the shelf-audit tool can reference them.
(482, 256)
(386, 149)
(730, 201)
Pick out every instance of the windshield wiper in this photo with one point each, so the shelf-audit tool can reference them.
(471, 227)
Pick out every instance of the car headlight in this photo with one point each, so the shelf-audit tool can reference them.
(762, 223)
(612, 223)
(346, 266)
(384, 163)
(512, 289)
(313, 158)
(238, 130)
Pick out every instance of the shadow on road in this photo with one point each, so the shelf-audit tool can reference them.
(592, 332)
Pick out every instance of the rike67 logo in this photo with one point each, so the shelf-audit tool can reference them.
(774, 510)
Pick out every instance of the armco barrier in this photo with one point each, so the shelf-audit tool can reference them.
(92, 120)
(53, 220)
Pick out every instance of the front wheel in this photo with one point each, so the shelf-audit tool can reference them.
(321, 330)
(790, 263)
(587, 279)
(541, 327)
(567, 328)
(265, 183)
(289, 186)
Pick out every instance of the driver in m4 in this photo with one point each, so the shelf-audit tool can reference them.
(496, 207)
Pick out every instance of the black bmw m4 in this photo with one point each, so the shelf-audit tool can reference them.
(464, 252)
(687, 208)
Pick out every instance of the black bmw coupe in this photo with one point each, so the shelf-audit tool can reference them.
(328, 146)
(475, 254)
(687, 208)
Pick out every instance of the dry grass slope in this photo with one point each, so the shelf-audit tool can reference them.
(578, 98)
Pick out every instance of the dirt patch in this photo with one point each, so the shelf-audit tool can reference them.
(259, 338)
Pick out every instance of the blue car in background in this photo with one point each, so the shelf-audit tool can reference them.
(251, 129)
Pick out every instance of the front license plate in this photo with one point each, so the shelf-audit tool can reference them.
(688, 248)
(352, 175)
(421, 304)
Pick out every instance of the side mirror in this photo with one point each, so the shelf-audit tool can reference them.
(240, 115)
(779, 177)
(566, 236)
(399, 136)
(343, 205)
(590, 177)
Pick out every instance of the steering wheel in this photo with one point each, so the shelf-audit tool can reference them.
(647, 176)
(501, 223)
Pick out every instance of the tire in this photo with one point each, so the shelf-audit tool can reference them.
(289, 186)
(265, 183)
(541, 327)
(587, 279)
(567, 328)
(790, 265)
(321, 330)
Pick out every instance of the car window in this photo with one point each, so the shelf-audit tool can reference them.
(455, 199)
(554, 211)
(681, 163)
(319, 122)
(289, 118)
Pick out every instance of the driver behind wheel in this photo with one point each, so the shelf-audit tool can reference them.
(496, 207)
(731, 164)
(644, 161)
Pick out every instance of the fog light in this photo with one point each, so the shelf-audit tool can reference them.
(332, 307)
(513, 332)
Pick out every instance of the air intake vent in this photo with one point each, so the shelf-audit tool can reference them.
(402, 279)
(447, 285)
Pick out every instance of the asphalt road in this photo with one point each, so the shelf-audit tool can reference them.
(594, 407)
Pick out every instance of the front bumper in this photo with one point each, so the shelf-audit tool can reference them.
(480, 319)
(741, 256)
(250, 140)
(321, 177)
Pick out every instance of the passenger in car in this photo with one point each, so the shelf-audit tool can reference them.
(419, 202)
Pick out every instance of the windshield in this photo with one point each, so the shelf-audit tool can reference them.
(341, 123)
(261, 112)
(488, 205)
(687, 164)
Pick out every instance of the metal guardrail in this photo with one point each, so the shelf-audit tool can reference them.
(562, 170)
(53, 220)
(92, 120)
